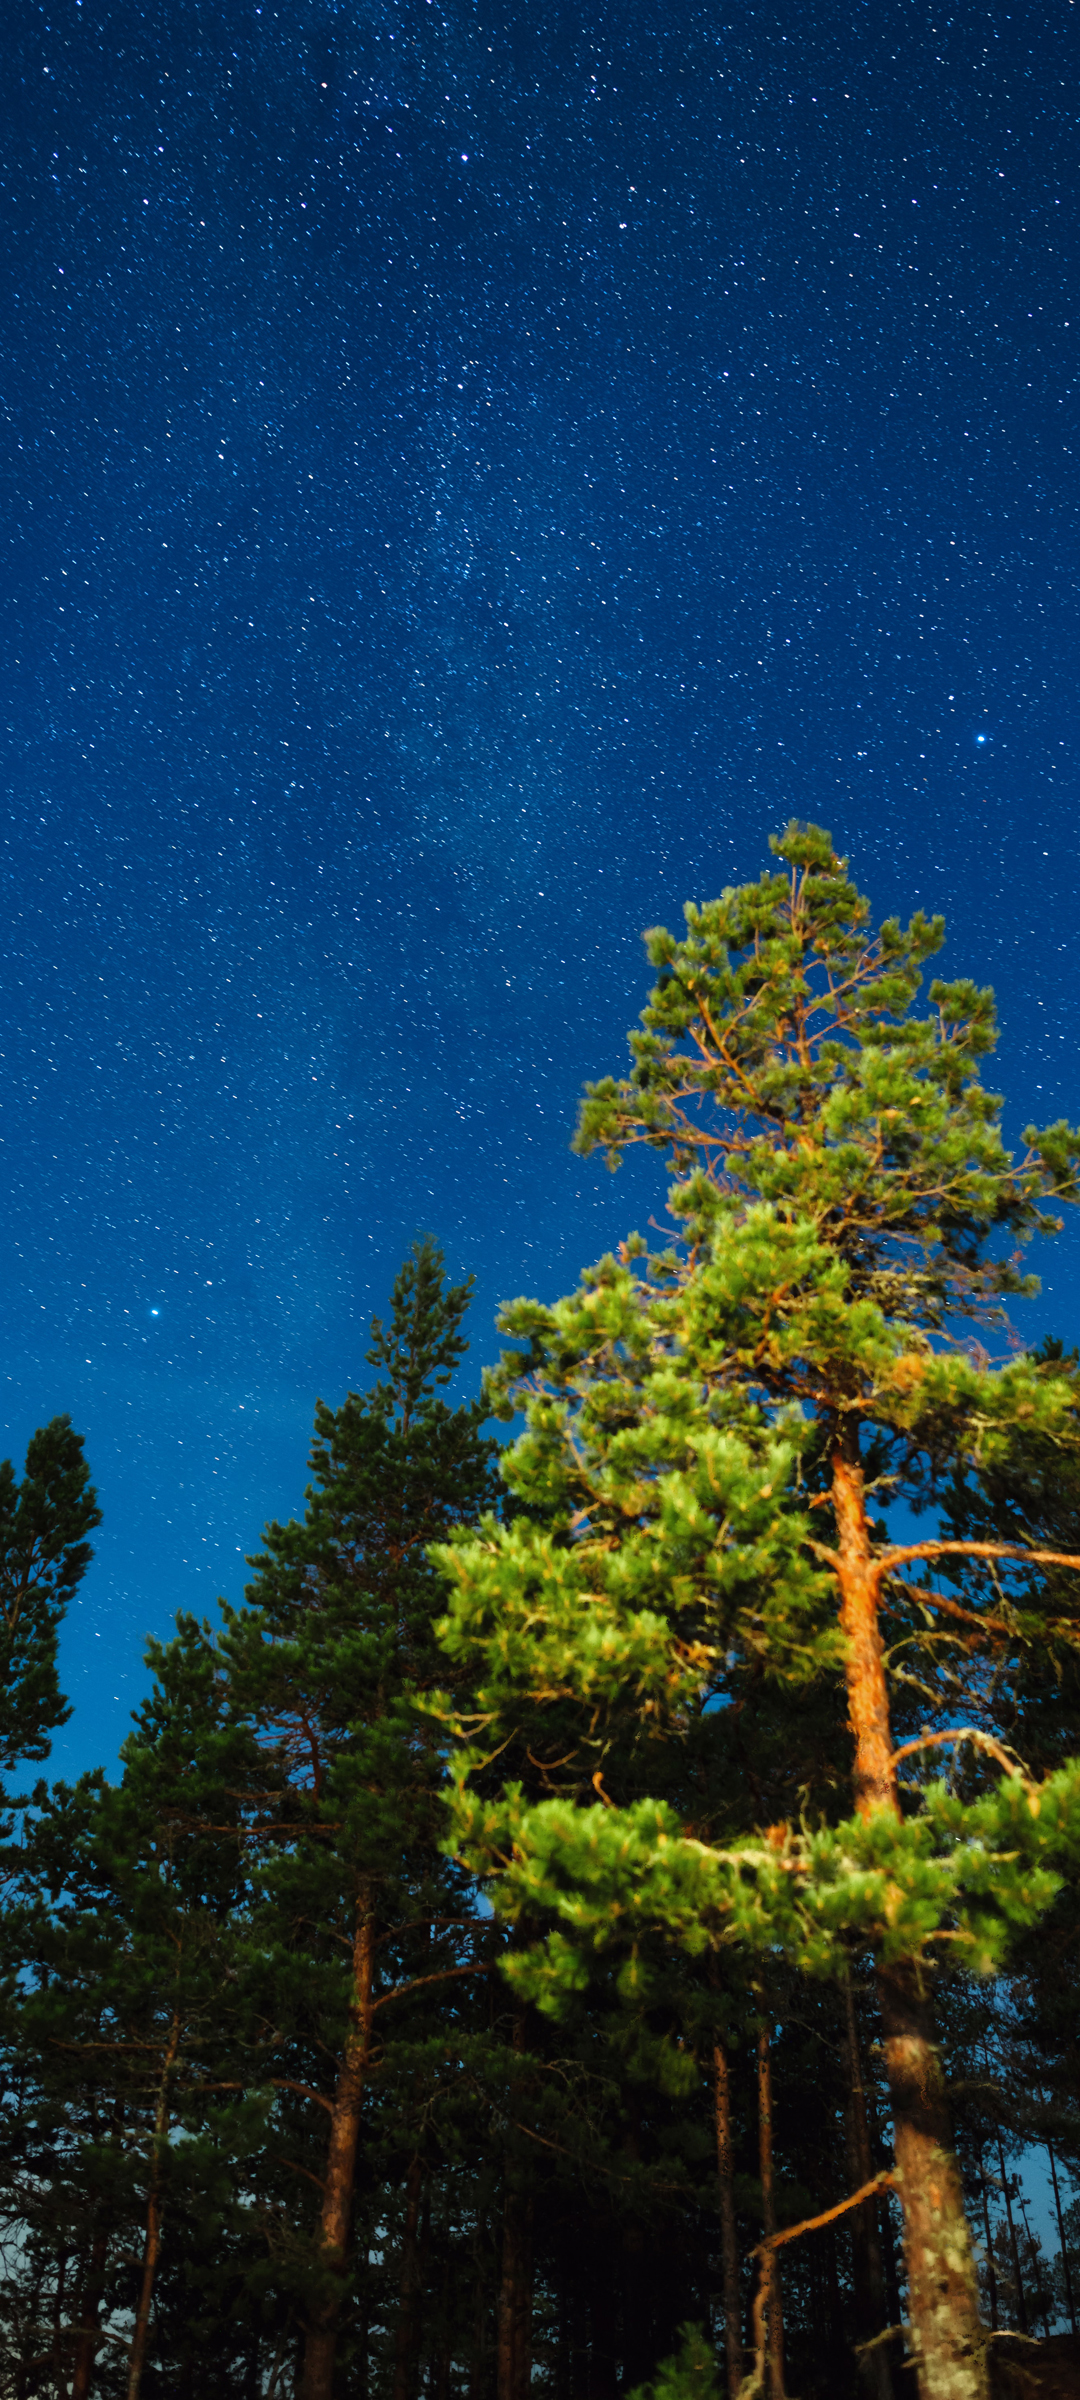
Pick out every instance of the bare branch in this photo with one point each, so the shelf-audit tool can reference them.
(444, 1975)
(963, 1733)
(1032, 1558)
(884, 2182)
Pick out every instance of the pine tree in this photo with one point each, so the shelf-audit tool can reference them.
(326, 1668)
(125, 2027)
(708, 1432)
(44, 1554)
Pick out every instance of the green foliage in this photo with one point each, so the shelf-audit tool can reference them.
(44, 1554)
(779, 1047)
(645, 1733)
(125, 2023)
(326, 1663)
(689, 2375)
(333, 1766)
(840, 1200)
(979, 1870)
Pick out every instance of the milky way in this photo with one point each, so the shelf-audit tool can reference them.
(472, 472)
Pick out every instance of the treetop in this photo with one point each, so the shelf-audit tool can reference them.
(780, 1058)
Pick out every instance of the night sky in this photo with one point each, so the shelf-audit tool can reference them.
(472, 471)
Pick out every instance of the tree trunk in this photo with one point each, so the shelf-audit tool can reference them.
(320, 2342)
(58, 2308)
(406, 2344)
(603, 2375)
(636, 2360)
(991, 2276)
(151, 2254)
(152, 2250)
(513, 2328)
(949, 2343)
(478, 2350)
(579, 2326)
(524, 2310)
(280, 2355)
(772, 2313)
(442, 2365)
(729, 2240)
(87, 2334)
(1061, 2235)
(868, 2271)
(1021, 2303)
(1034, 2255)
(514, 2344)
(880, 2158)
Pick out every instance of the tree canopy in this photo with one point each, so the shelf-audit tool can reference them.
(595, 1892)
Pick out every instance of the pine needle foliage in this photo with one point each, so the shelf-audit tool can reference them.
(44, 1554)
(708, 1428)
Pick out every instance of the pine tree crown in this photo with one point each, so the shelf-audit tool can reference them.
(780, 1059)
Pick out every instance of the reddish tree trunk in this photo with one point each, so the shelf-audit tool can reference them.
(868, 2270)
(152, 2249)
(87, 2334)
(317, 2376)
(514, 2348)
(729, 2242)
(444, 2354)
(478, 2346)
(523, 2311)
(772, 2312)
(950, 2346)
(406, 2344)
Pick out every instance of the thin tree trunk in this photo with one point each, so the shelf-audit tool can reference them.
(991, 2274)
(1061, 2236)
(868, 2270)
(1041, 2309)
(513, 2339)
(405, 2346)
(887, 2245)
(561, 2378)
(280, 2355)
(478, 2347)
(580, 2362)
(152, 2250)
(58, 2305)
(603, 2375)
(87, 2335)
(524, 2309)
(949, 2342)
(636, 2360)
(772, 2313)
(443, 2360)
(838, 2349)
(1021, 2303)
(510, 2282)
(729, 2240)
(320, 2341)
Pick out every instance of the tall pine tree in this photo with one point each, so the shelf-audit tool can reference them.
(709, 1433)
(327, 1667)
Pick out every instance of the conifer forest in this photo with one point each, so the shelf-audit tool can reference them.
(602, 1916)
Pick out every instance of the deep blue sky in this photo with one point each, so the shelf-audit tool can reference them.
(472, 472)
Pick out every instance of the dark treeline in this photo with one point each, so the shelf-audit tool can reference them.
(314, 2089)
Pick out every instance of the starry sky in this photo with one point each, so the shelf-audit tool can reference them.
(473, 468)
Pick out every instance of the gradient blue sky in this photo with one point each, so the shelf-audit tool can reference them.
(471, 472)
